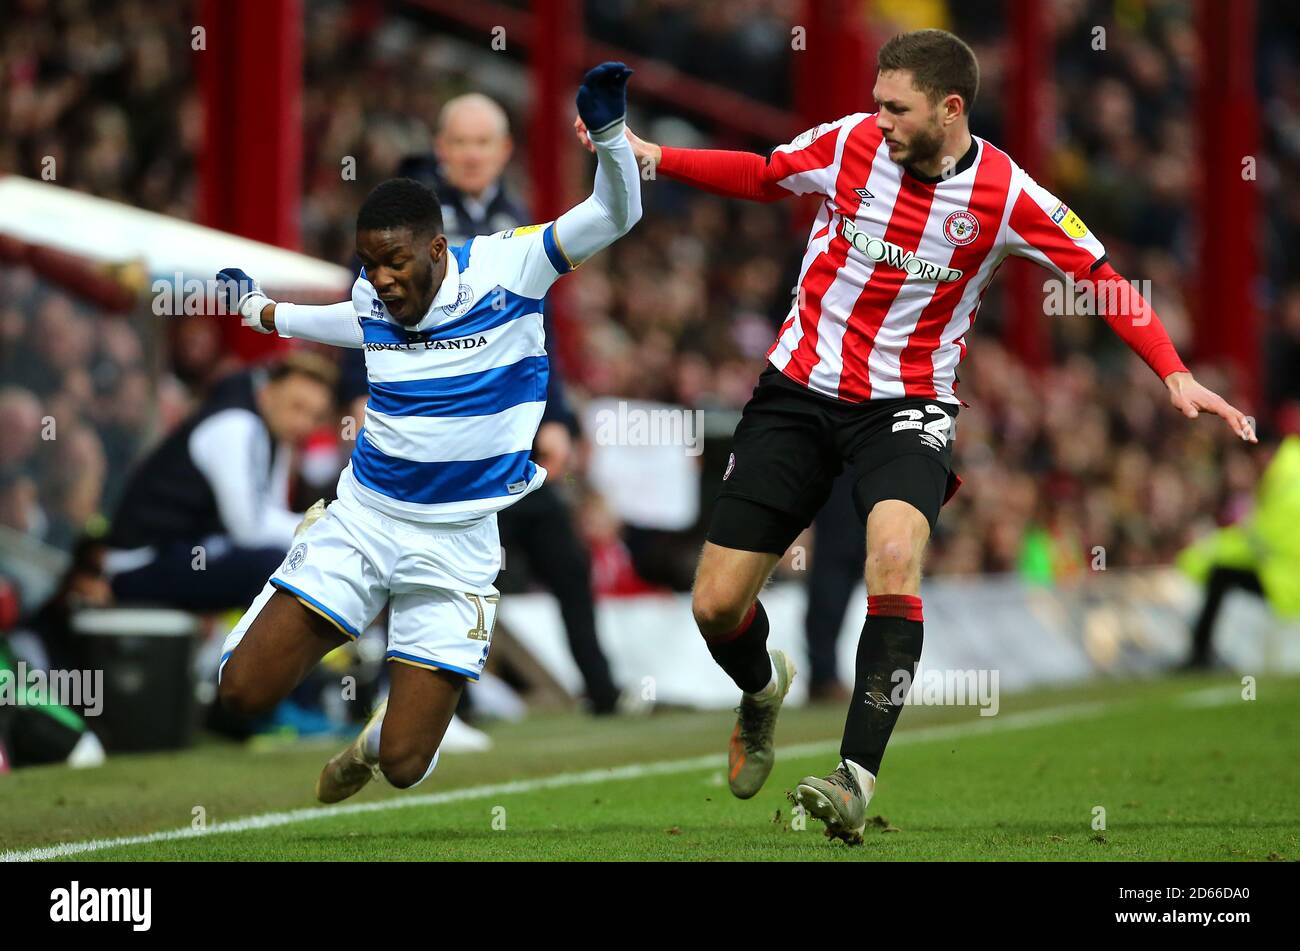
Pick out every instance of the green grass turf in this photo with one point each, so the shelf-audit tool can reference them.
(1178, 779)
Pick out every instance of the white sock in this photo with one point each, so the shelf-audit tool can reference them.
(866, 779)
(432, 763)
(768, 692)
(370, 749)
(370, 742)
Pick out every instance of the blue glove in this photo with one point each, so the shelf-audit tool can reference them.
(602, 97)
(240, 294)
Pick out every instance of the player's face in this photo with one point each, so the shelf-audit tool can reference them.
(473, 149)
(295, 405)
(911, 125)
(404, 269)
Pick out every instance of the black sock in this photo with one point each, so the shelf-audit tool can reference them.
(742, 653)
(890, 643)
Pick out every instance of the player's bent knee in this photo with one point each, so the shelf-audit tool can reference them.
(894, 554)
(716, 612)
(405, 769)
(238, 694)
(893, 564)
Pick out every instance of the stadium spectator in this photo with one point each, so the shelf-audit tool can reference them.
(216, 490)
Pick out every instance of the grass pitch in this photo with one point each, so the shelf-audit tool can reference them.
(1183, 769)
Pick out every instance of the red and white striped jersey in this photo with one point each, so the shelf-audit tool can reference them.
(896, 266)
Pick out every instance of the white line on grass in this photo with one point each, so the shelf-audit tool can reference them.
(1212, 697)
(269, 820)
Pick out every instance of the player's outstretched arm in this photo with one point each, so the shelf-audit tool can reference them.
(333, 324)
(730, 174)
(1045, 230)
(803, 166)
(615, 202)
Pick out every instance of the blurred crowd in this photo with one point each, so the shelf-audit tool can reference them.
(100, 97)
(1057, 464)
(76, 406)
(743, 45)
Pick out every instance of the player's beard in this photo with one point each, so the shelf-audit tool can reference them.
(924, 148)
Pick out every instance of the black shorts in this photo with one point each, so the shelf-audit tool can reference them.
(792, 443)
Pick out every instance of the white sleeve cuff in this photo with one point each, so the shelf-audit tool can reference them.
(610, 135)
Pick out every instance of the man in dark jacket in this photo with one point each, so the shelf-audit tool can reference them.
(204, 518)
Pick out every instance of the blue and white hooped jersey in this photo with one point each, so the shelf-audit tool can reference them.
(455, 401)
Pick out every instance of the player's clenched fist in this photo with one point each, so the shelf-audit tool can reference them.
(242, 295)
(602, 97)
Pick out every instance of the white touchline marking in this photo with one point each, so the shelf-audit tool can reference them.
(269, 820)
(1212, 697)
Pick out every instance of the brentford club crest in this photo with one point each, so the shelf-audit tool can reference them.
(961, 228)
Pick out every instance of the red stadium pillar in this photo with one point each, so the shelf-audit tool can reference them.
(250, 166)
(1227, 319)
(835, 71)
(1026, 330)
(555, 69)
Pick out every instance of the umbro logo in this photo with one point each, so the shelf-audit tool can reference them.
(864, 194)
(874, 698)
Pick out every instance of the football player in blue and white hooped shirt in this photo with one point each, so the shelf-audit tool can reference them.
(457, 367)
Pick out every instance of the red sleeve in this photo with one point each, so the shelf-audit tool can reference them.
(733, 174)
(1044, 229)
(1134, 320)
(806, 165)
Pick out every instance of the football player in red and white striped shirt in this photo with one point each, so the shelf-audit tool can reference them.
(915, 217)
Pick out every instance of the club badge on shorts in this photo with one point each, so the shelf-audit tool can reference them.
(296, 558)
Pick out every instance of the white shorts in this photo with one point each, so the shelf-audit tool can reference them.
(436, 580)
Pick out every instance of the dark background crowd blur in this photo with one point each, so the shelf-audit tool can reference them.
(1056, 462)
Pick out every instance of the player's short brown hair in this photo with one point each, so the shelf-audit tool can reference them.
(940, 63)
(306, 363)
